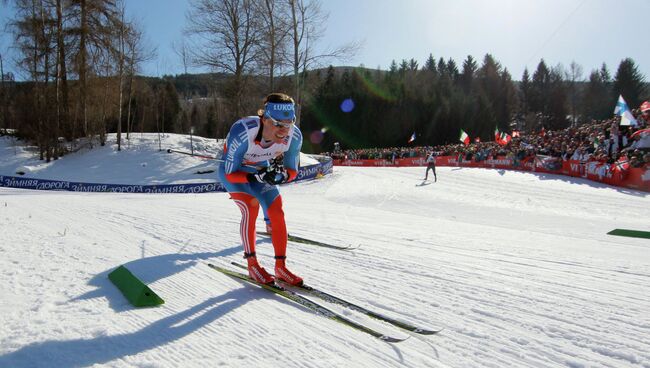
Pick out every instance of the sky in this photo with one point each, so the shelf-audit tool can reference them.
(517, 33)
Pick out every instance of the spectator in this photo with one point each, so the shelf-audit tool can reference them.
(602, 140)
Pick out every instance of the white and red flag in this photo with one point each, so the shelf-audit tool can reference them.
(464, 137)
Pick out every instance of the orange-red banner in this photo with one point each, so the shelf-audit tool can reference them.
(635, 178)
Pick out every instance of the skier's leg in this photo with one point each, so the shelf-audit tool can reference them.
(249, 207)
(279, 238)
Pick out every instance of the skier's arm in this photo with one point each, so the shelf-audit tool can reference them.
(291, 160)
(237, 145)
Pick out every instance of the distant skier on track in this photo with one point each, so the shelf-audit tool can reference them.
(431, 165)
(260, 152)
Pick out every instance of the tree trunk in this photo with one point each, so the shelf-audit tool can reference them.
(130, 95)
(47, 131)
(62, 76)
(121, 89)
(297, 36)
(102, 129)
(83, 66)
(3, 93)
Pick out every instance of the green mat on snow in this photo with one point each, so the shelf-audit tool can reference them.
(630, 233)
(139, 294)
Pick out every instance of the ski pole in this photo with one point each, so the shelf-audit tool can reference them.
(169, 150)
(192, 154)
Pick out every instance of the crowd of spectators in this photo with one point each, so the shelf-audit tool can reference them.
(605, 141)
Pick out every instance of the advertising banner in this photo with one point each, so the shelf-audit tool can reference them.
(324, 167)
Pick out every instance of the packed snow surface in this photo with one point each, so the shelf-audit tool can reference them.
(516, 268)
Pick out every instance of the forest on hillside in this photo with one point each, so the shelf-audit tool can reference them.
(82, 58)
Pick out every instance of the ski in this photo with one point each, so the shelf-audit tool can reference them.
(336, 300)
(308, 303)
(298, 239)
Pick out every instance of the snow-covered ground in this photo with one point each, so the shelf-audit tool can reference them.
(516, 267)
(144, 159)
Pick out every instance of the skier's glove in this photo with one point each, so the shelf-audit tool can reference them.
(270, 175)
(278, 176)
(262, 175)
(276, 167)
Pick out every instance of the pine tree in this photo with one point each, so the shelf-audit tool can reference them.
(596, 97)
(467, 76)
(430, 64)
(629, 83)
(524, 89)
(541, 89)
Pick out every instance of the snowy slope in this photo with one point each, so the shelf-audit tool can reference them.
(516, 267)
(144, 159)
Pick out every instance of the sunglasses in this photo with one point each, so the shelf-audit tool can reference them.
(279, 124)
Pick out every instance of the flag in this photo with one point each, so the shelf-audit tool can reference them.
(412, 138)
(624, 112)
(621, 167)
(504, 139)
(542, 132)
(547, 162)
(628, 119)
(464, 137)
(621, 106)
(622, 164)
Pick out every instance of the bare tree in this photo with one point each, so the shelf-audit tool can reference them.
(138, 53)
(307, 20)
(229, 33)
(49, 137)
(274, 37)
(33, 36)
(93, 22)
(62, 97)
(121, 56)
(3, 94)
(182, 50)
(573, 76)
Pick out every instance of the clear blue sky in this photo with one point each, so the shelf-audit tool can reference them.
(518, 33)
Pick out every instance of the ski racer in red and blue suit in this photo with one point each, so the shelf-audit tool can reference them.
(261, 152)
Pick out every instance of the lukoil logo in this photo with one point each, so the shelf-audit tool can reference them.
(283, 107)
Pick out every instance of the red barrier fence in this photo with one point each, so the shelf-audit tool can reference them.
(612, 174)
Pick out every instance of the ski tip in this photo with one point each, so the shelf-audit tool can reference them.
(421, 331)
(391, 339)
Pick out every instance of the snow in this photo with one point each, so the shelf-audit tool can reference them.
(516, 267)
(143, 160)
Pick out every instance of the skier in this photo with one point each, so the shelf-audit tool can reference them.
(261, 152)
(431, 165)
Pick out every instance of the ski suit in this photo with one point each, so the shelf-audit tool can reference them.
(431, 165)
(243, 153)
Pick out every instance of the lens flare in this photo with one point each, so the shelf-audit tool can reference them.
(334, 128)
(373, 87)
(347, 105)
(316, 137)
